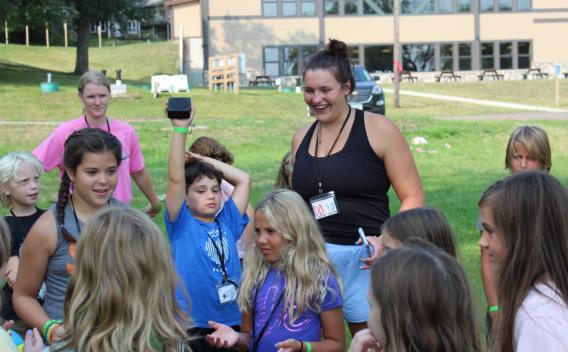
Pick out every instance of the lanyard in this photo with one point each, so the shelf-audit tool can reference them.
(319, 175)
(255, 339)
(106, 119)
(221, 254)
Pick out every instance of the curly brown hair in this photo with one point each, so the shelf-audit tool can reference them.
(210, 147)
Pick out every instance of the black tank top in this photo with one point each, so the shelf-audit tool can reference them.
(357, 176)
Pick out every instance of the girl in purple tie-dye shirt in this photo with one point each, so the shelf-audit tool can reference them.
(290, 296)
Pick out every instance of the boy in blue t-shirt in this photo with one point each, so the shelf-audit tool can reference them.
(203, 244)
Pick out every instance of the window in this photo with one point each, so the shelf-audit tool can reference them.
(524, 54)
(132, 27)
(332, 7)
(506, 55)
(354, 54)
(487, 60)
(505, 5)
(271, 61)
(269, 8)
(464, 5)
(287, 60)
(446, 56)
(416, 7)
(289, 8)
(445, 6)
(523, 5)
(308, 8)
(379, 58)
(464, 56)
(94, 26)
(350, 7)
(486, 5)
(377, 7)
(418, 57)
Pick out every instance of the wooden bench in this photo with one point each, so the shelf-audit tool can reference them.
(447, 75)
(407, 75)
(535, 73)
(260, 81)
(490, 73)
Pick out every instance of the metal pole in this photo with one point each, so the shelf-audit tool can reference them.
(6, 31)
(46, 35)
(397, 64)
(27, 35)
(99, 32)
(65, 32)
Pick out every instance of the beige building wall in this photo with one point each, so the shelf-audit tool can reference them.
(249, 36)
(548, 45)
(413, 29)
(549, 4)
(189, 16)
(235, 8)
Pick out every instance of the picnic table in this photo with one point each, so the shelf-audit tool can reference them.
(535, 73)
(490, 73)
(260, 81)
(447, 75)
(407, 75)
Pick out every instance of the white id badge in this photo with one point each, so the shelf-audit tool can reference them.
(227, 293)
(324, 205)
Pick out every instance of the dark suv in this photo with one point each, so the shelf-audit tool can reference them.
(368, 95)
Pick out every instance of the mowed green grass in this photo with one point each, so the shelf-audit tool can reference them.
(461, 159)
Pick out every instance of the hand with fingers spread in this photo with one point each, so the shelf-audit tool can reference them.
(223, 337)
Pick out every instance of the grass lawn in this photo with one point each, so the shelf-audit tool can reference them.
(461, 159)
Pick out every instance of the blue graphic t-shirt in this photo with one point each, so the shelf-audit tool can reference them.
(198, 264)
(306, 328)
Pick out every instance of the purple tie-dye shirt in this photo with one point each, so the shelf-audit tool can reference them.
(306, 328)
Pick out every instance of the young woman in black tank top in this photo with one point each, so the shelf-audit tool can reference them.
(354, 154)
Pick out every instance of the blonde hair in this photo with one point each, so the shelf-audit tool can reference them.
(95, 77)
(5, 243)
(535, 140)
(121, 295)
(304, 262)
(9, 167)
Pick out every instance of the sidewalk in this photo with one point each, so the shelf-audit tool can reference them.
(512, 106)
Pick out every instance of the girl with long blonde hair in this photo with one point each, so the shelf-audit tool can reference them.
(290, 296)
(121, 297)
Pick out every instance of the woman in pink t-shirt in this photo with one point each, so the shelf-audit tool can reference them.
(94, 94)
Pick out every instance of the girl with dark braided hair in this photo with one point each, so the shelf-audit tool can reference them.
(91, 159)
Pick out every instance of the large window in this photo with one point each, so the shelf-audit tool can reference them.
(379, 58)
(350, 7)
(445, 6)
(331, 7)
(487, 59)
(289, 8)
(505, 55)
(287, 60)
(269, 8)
(464, 56)
(308, 8)
(446, 56)
(354, 56)
(377, 7)
(95, 25)
(524, 54)
(504, 5)
(463, 5)
(418, 57)
(415, 7)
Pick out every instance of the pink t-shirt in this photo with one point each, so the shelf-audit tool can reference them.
(541, 323)
(50, 152)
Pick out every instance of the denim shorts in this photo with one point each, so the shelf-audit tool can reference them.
(347, 263)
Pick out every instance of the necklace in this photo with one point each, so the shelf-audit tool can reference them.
(319, 175)
(89, 126)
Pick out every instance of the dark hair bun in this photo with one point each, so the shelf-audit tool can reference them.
(338, 47)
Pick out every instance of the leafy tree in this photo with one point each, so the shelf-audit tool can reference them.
(79, 13)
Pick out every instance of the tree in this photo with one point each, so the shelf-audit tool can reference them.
(87, 11)
(80, 13)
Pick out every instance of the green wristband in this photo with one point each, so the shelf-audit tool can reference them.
(181, 129)
(308, 346)
(492, 309)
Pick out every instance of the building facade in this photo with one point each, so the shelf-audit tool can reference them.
(278, 36)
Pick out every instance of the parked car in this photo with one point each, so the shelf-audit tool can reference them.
(368, 95)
